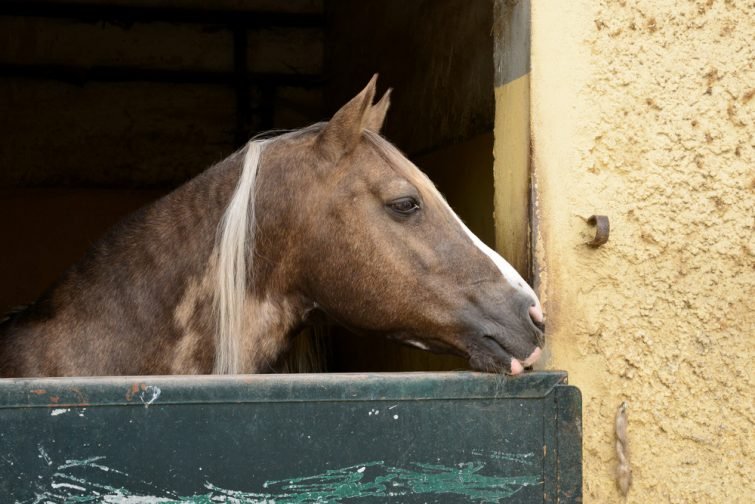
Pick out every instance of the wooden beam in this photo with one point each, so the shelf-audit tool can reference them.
(82, 75)
(512, 133)
(143, 14)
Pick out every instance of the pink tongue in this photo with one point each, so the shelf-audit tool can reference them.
(516, 367)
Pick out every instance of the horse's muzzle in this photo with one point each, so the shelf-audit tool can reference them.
(517, 367)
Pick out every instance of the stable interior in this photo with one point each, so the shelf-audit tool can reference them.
(108, 105)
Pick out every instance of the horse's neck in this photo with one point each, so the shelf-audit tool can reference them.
(141, 301)
(267, 322)
(268, 319)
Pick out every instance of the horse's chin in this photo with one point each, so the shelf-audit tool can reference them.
(484, 353)
(487, 364)
(488, 355)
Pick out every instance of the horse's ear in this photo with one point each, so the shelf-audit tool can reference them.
(343, 131)
(376, 115)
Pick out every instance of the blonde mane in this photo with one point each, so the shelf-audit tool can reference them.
(234, 245)
(236, 233)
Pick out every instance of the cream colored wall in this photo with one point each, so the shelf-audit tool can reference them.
(642, 110)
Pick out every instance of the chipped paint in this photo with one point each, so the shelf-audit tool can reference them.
(132, 391)
(68, 485)
(149, 394)
(43, 455)
(371, 479)
(519, 458)
(140, 499)
(117, 437)
(59, 411)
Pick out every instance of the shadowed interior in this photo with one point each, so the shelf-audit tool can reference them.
(80, 155)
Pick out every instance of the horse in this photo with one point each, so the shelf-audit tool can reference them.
(218, 276)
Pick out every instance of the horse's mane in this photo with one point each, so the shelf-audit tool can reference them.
(235, 239)
(235, 243)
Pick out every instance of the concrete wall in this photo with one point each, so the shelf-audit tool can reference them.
(643, 111)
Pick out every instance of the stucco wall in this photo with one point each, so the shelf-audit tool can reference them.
(643, 111)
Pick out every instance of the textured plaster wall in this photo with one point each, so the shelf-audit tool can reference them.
(643, 111)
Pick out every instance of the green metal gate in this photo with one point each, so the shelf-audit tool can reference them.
(404, 437)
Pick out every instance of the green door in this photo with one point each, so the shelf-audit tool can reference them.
(404, 437)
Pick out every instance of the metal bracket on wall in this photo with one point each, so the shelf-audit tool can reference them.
(602, 230)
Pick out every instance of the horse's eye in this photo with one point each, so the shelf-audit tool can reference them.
(404, 206)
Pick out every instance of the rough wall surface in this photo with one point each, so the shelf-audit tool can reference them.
(643, 111)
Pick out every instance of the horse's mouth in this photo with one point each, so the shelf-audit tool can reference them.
(429, 344)
(538, 328)
(490, 355)
(484, 353)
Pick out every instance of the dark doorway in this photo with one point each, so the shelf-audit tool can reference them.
(107, 105)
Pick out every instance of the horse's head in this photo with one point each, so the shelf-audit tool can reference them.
(382, 252)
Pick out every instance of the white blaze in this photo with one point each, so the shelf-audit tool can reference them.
(508, 271)
(511, 275)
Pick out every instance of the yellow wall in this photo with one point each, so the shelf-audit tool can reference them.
(642, 110)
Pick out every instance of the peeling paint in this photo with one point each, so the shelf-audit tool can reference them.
(149, 394)
(68, 485)
(43, 455)
(520, 458)
(372, 479)
(59, 411)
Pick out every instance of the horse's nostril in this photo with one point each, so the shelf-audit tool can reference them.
(536, 314)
